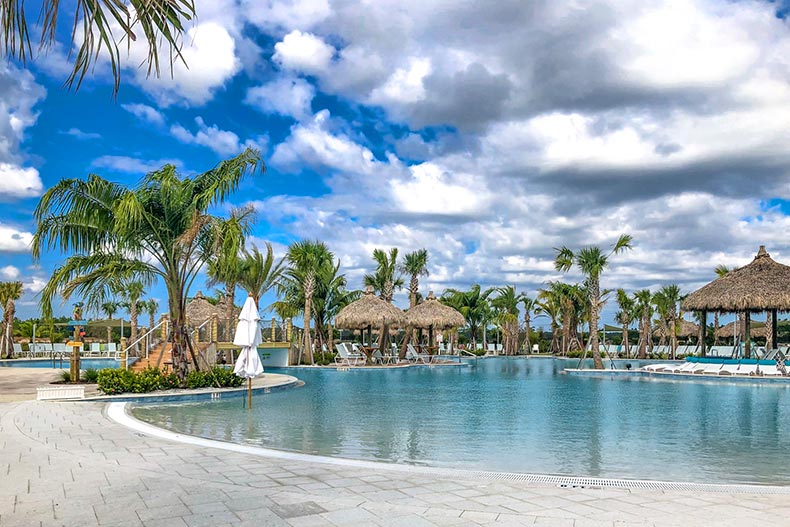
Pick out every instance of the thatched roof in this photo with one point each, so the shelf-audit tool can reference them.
(199, 309)
(762, 285)
(685, 329)
(369, 310)
(431, 312)
(756, 329)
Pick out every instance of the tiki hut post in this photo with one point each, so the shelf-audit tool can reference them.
(774, 340)
(434, 316)
(702, 330)
(747, 334)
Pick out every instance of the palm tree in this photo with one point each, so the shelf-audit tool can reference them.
(306, 259)
(110, 308)
(159, 229)
(151, 307)
(161, 25)
(473, 305)
(644, 306)
(529, 304)
(10, 292)
(625, 316)
(720, 271)
(667, 299)
(331, 296)
(133, 292)
(506, 306)
(548, 304)
(386, 278)
(591, 261)
(224, 267)
(259, 273)
(414, 264)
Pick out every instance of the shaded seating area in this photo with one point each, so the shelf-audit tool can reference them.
(761, 286)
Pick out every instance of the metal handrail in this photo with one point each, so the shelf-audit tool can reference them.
(145, 336)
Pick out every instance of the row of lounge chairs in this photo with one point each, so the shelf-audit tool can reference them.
(47, 349)
(350, 354)
(713, 366)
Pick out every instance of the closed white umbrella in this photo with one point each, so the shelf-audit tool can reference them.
(248, 336)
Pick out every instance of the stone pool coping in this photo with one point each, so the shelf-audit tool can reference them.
(669, 376)
(119, 412)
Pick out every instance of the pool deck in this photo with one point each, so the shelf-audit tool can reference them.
(70, 464)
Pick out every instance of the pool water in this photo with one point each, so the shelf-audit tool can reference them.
(85, 364)
(514, 415)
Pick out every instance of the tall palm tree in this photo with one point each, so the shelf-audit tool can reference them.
(644, 306)
(151, 307)
(259, 273)
(10, 292)
(414, 264)
(306, 259)
(529, 305)
(159, 23)
(506, 307)
(473, 305)
(668, 298)
(591, 261)
(330, 297)
(159, 229)
(387, 278)
(625, 316)
(133, 291)
(225, 267)
(720, 271)
(109, 308)
(548, 304)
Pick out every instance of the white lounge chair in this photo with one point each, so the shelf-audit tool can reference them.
(413, 356)
(747, 369)
(18, 350)
(110, 349)
(346, 356)
(711, 369)
(770, 371)
(729, 369)
(95, 350)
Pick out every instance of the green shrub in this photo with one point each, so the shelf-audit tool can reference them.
(115, 380)
(324, 359)
(148, 380)
(65, 375)
(91, 375)
(195, 379)
(169, 381)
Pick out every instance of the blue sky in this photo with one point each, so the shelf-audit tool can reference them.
(489, 133)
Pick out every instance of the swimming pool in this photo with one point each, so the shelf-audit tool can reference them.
(514, 415)
(85, 364)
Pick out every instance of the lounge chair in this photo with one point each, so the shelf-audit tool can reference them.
(769, 369)
(94, 350)
(730, 367)
(413, 356)
(18, 350)
(346, 356)
(110, 349)
(711, 368)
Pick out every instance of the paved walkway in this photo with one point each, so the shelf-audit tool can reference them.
(68, 464)
(19, 384)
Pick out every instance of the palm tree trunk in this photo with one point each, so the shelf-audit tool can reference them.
(230, 299)
(133, 320)
(527, 341)
(625, 340)
(673, 340)
(595, 294)
(715, 328)
(307, 343)
(643, 337)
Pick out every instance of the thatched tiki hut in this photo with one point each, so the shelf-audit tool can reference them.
(685, 329)
(736, 327)
(432, 314)
(763, 285)
(367, 312)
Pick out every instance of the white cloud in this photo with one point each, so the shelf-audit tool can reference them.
(285, 96)
(209, 52)
(223, 142)
(133, 165)
(9, 272)
(13, 240)
(145, 113)
(291, 14)
(405, 85)
(303, 52)
(17, 182)
(79, 134)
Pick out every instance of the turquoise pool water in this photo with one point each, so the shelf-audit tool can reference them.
(514, 415)
(85, 364)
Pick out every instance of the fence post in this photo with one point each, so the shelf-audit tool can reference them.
(289, 327)
(214, 327)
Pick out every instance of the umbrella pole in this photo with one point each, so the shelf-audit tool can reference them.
(249, 394)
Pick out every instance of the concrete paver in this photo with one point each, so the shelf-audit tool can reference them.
(68, 464)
